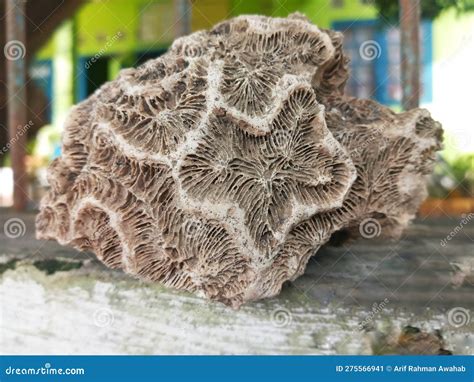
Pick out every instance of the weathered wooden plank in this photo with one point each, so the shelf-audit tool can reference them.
(56, 300)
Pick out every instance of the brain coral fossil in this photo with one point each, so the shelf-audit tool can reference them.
(222, 166)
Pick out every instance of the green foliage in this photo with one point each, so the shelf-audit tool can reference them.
(453, 177)
(430, 9)
(463, 172)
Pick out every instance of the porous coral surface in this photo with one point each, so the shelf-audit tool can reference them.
(222, 166)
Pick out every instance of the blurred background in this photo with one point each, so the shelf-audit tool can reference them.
(70, 48)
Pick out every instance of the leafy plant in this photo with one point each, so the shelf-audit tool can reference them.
(430, 9)
(453, 178)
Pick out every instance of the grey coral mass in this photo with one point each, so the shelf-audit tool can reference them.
(222, 166)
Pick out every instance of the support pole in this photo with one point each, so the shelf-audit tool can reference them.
(182, 17)
(410, 13)
(15, 51)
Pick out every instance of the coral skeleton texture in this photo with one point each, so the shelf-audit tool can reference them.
(222, 166)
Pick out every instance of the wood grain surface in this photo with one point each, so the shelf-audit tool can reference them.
(363, 297)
